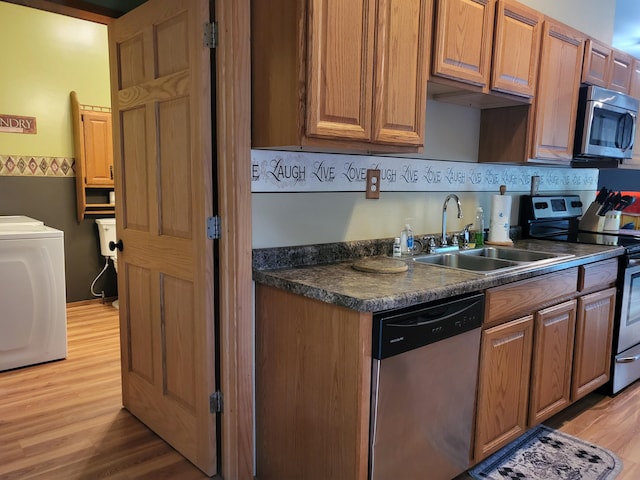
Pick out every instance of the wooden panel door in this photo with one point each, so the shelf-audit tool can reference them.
(596, 68)
(557, 97)
(503, 385)
(463, 40)
(98, 146)
(402, 62)
(594, 331)
(161, 99)
(552, 361)
(340, 69)
(621, 72)
(516, 49)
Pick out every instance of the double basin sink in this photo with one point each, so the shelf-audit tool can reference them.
(491, 260)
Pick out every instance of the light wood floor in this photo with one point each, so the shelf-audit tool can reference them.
(64, 419)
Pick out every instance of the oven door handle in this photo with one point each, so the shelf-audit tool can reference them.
(635, 358)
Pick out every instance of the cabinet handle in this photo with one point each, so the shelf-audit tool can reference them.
(111, 171)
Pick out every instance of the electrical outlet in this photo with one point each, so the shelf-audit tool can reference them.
(373, 184)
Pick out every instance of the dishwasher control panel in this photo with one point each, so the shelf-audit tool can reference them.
(398, 331)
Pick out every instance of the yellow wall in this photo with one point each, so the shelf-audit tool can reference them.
(43, 56)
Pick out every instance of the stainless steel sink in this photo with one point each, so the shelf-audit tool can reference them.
(490, 260)
(507, 253)
(465, 262)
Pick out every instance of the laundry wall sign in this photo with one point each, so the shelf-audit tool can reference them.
(17, 124)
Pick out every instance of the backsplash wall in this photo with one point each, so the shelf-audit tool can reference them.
(294, 204)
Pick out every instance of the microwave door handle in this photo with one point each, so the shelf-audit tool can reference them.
(622, 123)
(632, 132)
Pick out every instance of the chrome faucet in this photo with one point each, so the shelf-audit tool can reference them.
(443, 239)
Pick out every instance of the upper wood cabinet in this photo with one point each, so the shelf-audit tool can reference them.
(488, 44)
(621, 72)
(556, 102)
(349, 75)
(607, 67)
(93, 147)
(463, 40)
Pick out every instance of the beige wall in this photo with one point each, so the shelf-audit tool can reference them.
(593, 17)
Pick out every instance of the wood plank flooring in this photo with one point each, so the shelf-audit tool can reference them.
(64, 419)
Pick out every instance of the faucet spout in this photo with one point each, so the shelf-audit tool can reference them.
(443, 239)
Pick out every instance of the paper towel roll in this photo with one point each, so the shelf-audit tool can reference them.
(499, 218)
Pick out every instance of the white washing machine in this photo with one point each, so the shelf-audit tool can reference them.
(33, 318)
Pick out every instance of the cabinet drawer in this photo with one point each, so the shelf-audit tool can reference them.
(599, 274)
(527, 296)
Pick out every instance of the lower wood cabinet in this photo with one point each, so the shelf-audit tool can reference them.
(552, 361)
(503, 385)
(536, 361)
(594, 331)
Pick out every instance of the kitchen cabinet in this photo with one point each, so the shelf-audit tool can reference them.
(634, 88)
(488, 44)
(340, 75)
(516, 50)
(544, 131)
(552, 361)
(313, 386)
(463, 40)
(634, 91)
(596, 67)
(503, 385)
(594, 331)
(568, 316)
(93, 147)
(594, 326)
(504, 381)
(607, 67)
(556, 104)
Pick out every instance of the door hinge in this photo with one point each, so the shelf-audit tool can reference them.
(210, 35)
(213, 228)
(215, 402)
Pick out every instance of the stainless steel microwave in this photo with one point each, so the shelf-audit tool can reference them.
(605, 124)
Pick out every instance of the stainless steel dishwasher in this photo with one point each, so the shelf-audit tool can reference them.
(425, 372)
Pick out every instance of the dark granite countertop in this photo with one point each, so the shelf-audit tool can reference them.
(326, 274)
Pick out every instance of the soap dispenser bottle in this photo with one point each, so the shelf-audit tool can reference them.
(478, 227)
(406, 240)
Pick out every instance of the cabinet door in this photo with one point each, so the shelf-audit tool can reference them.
(621, 72)
(98, 147)
(463, 38)
(634, 89)
(503, 385)
(552, 360)
(340, 69)
(596, 68)
(557, 96)
(516, 49)
(594, 331)
(402, 60)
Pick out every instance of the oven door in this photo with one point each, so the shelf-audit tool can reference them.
(629, 334)
(609, 131)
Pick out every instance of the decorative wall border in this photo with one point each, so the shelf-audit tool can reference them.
(284, 171)
(28, 166)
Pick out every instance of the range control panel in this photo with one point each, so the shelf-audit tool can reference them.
(555, 207)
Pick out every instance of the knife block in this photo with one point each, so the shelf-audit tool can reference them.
(591, 221)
